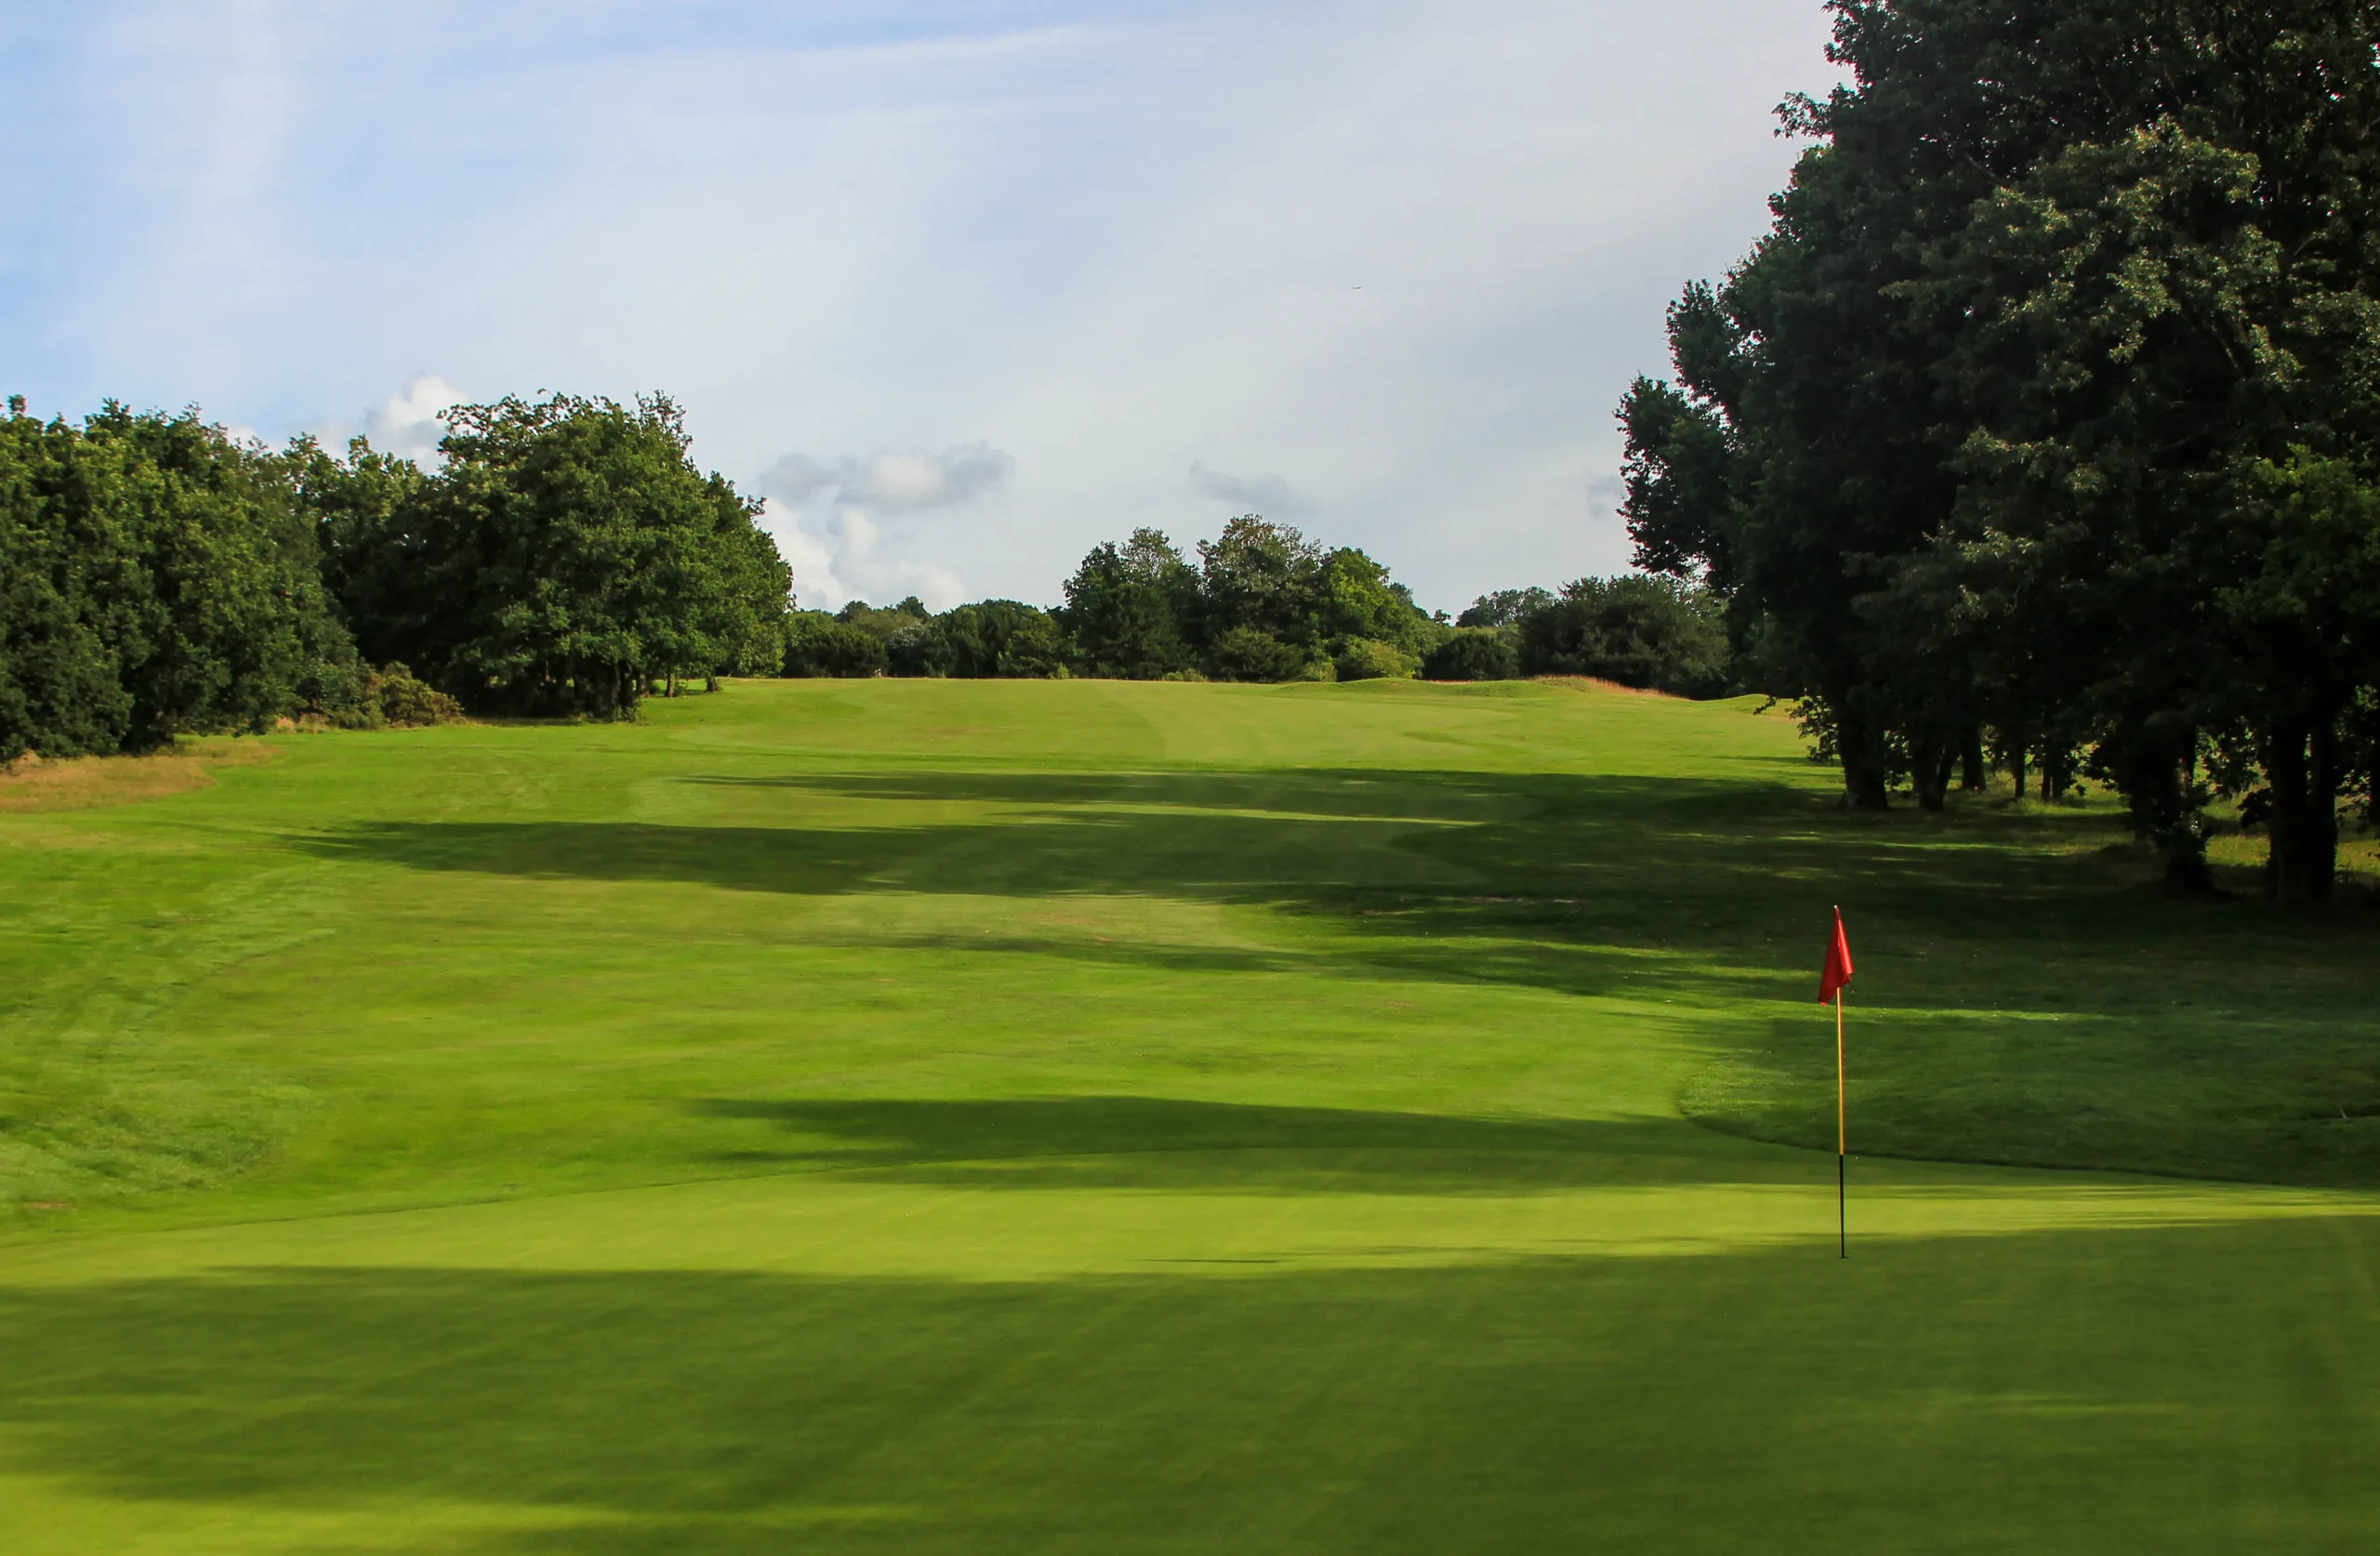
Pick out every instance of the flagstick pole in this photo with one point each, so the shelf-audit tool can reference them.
(1842, 1137)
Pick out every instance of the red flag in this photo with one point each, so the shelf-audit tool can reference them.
(1838, 963)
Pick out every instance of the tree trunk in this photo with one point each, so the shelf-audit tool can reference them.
(2301, 763)
(2159, 773)
(2016, 765)
(1930, 760)
(1974, 776)
(1863, 768)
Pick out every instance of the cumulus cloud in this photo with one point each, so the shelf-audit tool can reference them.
(1267, 494)
(835, 559)
(907, 482)
(406, 423)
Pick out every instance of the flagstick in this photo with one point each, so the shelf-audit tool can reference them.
(1842, 1137)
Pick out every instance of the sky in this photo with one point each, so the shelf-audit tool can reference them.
(961, 288)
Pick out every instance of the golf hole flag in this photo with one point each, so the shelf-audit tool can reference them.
(1831, 983)
(1838, 963)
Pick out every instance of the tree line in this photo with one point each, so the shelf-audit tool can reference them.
(566, 557)
(158, 576)
(2042, 429)
(1265, 602)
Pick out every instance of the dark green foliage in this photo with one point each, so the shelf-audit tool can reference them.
(2043, 418)
(156, 578)
(1252, 653)
(1475, 654)
(818, 645)
(1273, 605)
(360, 507)
(981, 635)
(68, 573)
(1263, 578)
(1265, 603)
(1130, 610)
(988, 638)
(569, 553)
(1036, 650)
(1640, 631)
(1505, 608)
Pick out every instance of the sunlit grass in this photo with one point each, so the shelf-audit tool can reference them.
(1083, 1117)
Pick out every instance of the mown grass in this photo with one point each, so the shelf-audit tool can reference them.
(974, 1116)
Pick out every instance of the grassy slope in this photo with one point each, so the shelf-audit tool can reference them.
(1162, 1117)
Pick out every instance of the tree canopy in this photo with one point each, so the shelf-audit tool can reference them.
(2043, 418)
(568, 553)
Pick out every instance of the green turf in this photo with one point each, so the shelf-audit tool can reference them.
(929, 1116)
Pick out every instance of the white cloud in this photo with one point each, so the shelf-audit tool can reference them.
(833, 560)
(910, 481)
(1412, 251)
(1267, 494)
(406, 423)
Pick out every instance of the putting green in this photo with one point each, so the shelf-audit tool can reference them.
(931, 1116)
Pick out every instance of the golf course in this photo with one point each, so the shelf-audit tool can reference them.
(922, 1115)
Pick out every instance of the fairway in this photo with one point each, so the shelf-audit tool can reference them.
(1091, 1117)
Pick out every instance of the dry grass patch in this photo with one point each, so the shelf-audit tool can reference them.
(33, 784)
(1596, 683)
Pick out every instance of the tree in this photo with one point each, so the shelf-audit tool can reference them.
(1475, 654)
(1036, 650)
(1129, 608)
(1258, 584)
(70, 585)
(1354, 600)
(568, 553)
(1641, 631)
(981, 635)
(818, 645)
(1504, 607)
(2166, 381)
(158, 578)
(1971, 441)
(1252, 653)
(1370, 659)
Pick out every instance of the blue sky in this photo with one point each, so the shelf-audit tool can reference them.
(962, 288)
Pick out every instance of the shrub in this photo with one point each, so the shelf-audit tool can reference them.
(1639, 631)
(922, 650)
(407, 703)
(1370, 659)
(1252, 653)
(1473, 654)
(391, 698)
(818, 645)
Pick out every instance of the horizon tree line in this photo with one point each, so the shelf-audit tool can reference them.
(567, 558)
(1265, 602)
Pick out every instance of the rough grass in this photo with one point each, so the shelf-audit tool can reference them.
(33, 784)
(925, 1116)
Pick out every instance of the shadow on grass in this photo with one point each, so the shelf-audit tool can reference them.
(1977, 1394)
(2024, 995)
(1710, 875)
(1170, 1143)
